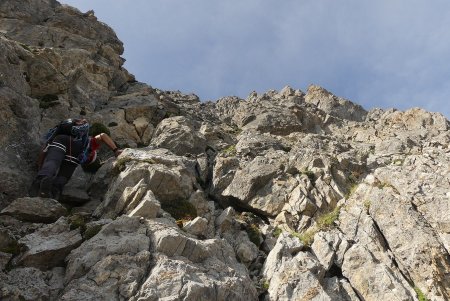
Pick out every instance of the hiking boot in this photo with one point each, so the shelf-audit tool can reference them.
(34, 189)
(56, 193)
(45, 189)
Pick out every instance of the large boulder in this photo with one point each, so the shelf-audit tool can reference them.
(180, 135)
(117, 257)
(38, 210)
(49, 246)
(31, 284)
(170, 178)
(19, 143)
(191, 269)
(333, 105)
(291, 273)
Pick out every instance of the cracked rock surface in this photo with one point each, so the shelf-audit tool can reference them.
(284, 195)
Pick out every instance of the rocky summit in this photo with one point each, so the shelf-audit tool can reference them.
(285, 195)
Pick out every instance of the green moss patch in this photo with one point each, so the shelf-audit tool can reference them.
(180, 210)
(421, 296)
(324, 222)
(92, 231)
(98, 128)
(12, 248)
(230, 150)
(254, 234)
(277, 232)
(77, 221)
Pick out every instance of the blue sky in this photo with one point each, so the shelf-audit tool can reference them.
(384, 53)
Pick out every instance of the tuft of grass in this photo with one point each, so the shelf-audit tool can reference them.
(92, 231)
(351, 190)
(180, 210)
(367, 204)
(265, 284)
(325, 221)
(121, 163)
(25, 46)
(254, 234)
(77, 221)
(97, 128)
(277, 232)
(398, 162)
(230, 150)
(306, 237)
(11, 248)
(421, 296)
(384, 185)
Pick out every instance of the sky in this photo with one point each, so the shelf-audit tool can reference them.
(384, 53)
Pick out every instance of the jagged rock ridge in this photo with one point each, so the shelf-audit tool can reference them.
(285, 195)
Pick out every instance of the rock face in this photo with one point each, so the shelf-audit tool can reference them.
(282, 196)
(38, 210)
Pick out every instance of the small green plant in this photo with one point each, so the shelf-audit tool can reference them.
(326, 220)
(230, 150)
(265, 284)
(277, 232)
(26, 47)
(77, 221)
(92, 231)
(398, 162)
(180, 210)
(11, 248)
(383, 185)
(367, 204)
(120, 165)
(254, 234)
(311, 176)
(351, 190)
(420, 295)
(97, 128)
(306, 237)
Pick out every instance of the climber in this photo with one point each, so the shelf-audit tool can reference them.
(67, 145)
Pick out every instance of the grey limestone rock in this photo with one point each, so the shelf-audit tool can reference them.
(38, 210)
(48, 247)
(361, 197)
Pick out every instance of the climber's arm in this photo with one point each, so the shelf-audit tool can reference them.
(103, 137)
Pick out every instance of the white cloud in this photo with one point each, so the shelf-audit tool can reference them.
(386, 53)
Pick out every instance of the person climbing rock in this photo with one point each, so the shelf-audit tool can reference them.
(67, 145)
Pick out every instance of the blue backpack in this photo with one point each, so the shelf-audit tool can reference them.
(78, 132)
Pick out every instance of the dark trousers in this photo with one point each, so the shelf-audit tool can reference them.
(60, 162)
